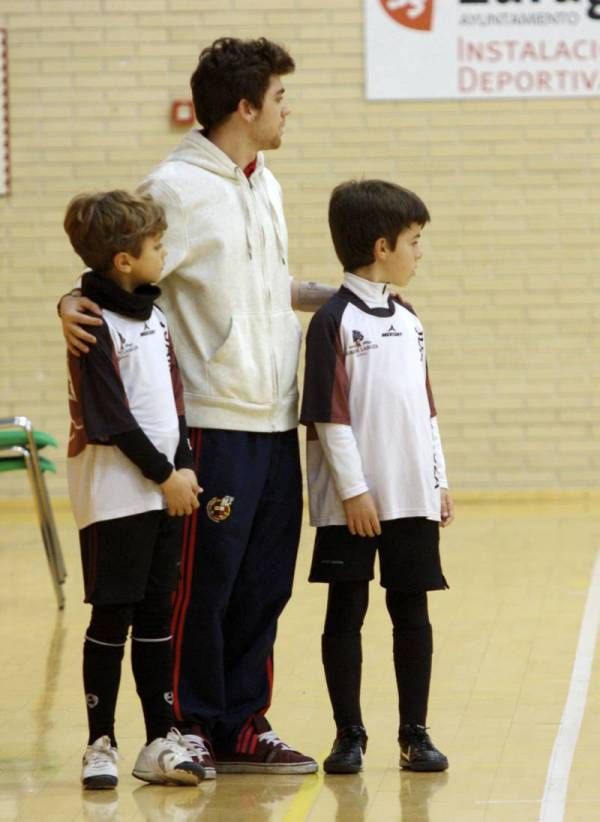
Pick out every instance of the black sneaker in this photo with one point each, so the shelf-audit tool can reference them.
(347, 753)
(417, 751)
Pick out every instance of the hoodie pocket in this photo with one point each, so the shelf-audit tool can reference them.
(241, 368)
(287, 338)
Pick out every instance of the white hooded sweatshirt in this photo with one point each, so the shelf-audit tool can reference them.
(226, 289)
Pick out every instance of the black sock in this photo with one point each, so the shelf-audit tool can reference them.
(342, 660)
(101, 677)
(347, 604)
(151, 664)
(413, 648)
(413, 675)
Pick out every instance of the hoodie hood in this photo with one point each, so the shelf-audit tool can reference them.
(197, 150)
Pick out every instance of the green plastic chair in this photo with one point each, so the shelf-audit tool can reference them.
(19, 450)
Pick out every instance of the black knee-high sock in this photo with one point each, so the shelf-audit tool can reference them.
(342, 661)
(341, 649)
(151, 663)
(102, 656)
(413, 648)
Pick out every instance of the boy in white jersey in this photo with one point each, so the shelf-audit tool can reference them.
(131, 478)
(375, 465)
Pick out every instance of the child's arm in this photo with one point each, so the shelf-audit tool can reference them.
(310, 296)
(447, 504)
(184, 457)
(340, 449)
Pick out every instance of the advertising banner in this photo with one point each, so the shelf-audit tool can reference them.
(4, 145)
(473, 49)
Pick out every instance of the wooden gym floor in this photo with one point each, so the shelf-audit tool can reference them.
(510, 705)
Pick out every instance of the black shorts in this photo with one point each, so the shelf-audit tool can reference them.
(409, 555)
(125, 559)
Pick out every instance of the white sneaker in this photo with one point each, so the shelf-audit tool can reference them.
(99, 766)
(167, 761)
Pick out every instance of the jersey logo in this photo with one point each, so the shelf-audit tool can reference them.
(359, 344)
(147, 330)
(125, 347)
(391, 332)
(219, 508)
(420, 342)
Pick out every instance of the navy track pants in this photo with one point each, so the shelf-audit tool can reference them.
(237, 566)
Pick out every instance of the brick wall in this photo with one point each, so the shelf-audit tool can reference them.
(510, 282)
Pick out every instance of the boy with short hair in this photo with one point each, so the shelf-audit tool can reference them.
(375, 465)
(128, 460)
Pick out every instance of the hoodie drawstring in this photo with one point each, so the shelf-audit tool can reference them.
(243, 180)
(276, 222)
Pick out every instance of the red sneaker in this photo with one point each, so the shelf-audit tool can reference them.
(260, 750)
(200, 746)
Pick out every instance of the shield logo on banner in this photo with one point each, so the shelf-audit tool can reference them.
(414, 14)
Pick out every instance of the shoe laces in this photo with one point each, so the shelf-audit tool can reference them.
(271, 738)
(175, 737)
(349, 736)
(417, 737)
(97, 755)
(198, 743)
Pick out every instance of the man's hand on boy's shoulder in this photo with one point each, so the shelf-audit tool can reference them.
(74, 312)
(447, 508)
(361, 515)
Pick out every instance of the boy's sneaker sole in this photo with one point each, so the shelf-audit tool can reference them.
(267, 767)
(181, 775)
(423, 766)
(102, 782)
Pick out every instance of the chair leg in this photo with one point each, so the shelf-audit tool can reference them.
(38, 488)
(43, 494)
(51, 525)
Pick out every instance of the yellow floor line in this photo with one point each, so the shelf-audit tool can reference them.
(307, 795)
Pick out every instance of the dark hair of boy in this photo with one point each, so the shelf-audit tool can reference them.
(102, 224)
(362, 211)
(231, 70)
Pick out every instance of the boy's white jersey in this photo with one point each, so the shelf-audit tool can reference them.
(366, 368)
(128, 379)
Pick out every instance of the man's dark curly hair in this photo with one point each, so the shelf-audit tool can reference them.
(231, 70)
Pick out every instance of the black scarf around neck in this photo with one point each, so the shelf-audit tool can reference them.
(104, 291)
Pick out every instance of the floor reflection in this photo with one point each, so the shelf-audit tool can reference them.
(351, 796)
(416, 791)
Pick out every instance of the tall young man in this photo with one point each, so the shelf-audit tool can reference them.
(227, 294)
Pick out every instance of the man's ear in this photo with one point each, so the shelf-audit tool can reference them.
(122, 262)
(246, 110)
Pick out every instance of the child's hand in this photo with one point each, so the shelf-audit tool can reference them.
(361, 515)
(447, 508)
(191, 477)
(179, 495)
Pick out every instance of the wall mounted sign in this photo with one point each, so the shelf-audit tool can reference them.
(467, 49)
